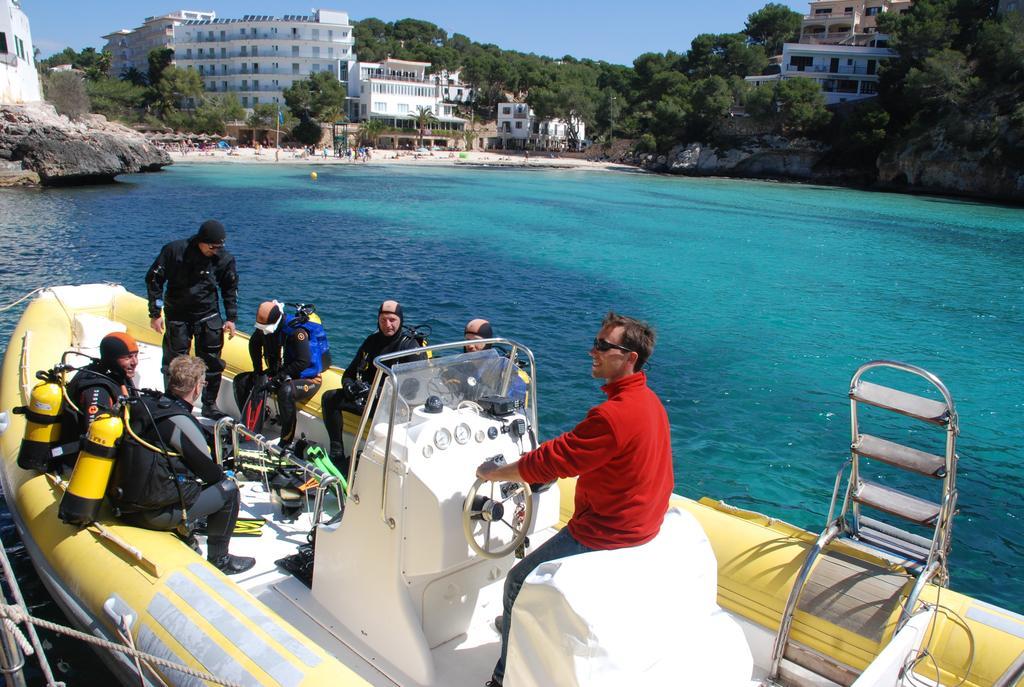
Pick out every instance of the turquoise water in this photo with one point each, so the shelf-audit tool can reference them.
(766, 298)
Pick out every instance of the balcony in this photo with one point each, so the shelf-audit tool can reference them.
(384, 76)
(822, 69)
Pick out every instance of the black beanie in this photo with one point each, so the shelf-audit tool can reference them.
(211, 231)
(116, 345)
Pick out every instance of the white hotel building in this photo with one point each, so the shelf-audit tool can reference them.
(19, 82)
(840, 48)
(393, 91)
(257, 57)
(130, 48)
(520, 129)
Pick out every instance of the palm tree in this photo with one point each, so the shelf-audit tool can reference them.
(370, 131)
(424, 117)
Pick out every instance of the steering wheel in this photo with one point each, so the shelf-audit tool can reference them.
(507, 503)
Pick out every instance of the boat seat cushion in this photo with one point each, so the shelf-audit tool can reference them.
(88, 330)
(642, 615)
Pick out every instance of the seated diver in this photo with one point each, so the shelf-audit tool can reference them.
(390, 337)
(296, 352)
(96, 388)
(172, 487)
(487, 373)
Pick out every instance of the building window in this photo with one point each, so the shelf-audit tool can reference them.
(824, 10)
(245, 84)
(223, 53)
(223, 69)
(255, 50)
(252, 31)
(506, 110)
(316, 34)
(403, 108)
(255, 84)
(245, 101)
(314, 68)
(295, 32)
(255, 67)
(295, 68)
(223, 35)
(3, 43)
(872, 11)
(295, 51)
(519, 125)
(316, 51)
(223, 85)
(868, 87)
(255, 98)
(330, 34)
(188, 53)
(200, 53)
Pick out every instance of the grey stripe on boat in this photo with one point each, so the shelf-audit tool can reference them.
(234, 630)
(151, 644)
(194, 640)
(1011, 626)
(256, 615)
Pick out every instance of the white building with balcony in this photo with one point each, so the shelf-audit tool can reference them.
(257, 57)
(130, 48)
(847, 22)
(520, 129)
(842, 72)
(19, 82)
(395, 91)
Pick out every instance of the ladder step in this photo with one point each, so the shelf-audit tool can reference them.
(911, 405)
(883, 535)
(900, 456)
(924, 513)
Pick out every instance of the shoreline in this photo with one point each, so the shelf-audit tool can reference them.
(483, 159)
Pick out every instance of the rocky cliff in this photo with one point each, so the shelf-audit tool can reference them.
(931, 163)
(37, 144)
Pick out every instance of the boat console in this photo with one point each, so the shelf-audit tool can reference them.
(419, 541)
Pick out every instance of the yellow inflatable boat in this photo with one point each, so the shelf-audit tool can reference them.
(406, 574)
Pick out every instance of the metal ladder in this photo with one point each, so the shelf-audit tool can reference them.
(926, 558)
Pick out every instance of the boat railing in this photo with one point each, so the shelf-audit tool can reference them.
(264, 447)
(384, 375)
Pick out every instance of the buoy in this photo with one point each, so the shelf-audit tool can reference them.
(312, 175)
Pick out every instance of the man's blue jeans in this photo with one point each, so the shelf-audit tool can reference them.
(559, 546)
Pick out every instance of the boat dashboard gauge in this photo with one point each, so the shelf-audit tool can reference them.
(428, 451)
(480, 436)
(463, 433)
(442, 439)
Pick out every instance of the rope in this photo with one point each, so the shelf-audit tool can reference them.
(12, 584)
(18, 615)
(23, 298)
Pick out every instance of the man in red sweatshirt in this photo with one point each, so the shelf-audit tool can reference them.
(621, 452)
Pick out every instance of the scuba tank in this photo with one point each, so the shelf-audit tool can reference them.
(81, 502)
(305, 317)
(42, 422)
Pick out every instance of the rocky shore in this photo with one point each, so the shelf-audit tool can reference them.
(40, 147)
(930, 165)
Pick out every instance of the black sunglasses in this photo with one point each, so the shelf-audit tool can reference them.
(604, 346)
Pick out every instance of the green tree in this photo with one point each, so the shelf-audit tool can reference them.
(116, 99)
(320, 97)
(772, 26)
(942, 84)
(133, 75)
(801, 106)
(308, 132)
(159, 60)
(66, 92)
(214, 112)
(425, 119)
(175, 86)
(370, 130)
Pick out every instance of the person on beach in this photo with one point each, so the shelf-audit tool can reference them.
(390, 337)
(622, 454)
(165, 492)
(193, 271)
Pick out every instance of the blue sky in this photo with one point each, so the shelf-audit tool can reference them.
(599, 29)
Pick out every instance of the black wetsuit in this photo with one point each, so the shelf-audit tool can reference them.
(94, 390)
(200, 487)
(359, 371)
(190, 305)
(285, 362)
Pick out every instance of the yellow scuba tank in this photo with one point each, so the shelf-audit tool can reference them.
(42, 426)
(81, 502)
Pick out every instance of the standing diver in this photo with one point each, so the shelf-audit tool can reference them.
(296, 352)
(193, 270)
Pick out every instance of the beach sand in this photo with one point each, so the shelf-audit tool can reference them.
(392, 157)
